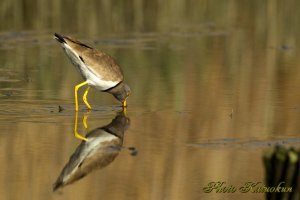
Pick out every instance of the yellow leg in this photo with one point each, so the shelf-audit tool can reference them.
(76, 134)
(85, 99)
(76, 90)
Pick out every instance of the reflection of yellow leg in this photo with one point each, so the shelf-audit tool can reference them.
(85, 100)
(85, 116)
(124, 110)
(76, 134)
(76, 90)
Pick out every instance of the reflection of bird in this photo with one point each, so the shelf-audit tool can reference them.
(101, 148)
(97, 69)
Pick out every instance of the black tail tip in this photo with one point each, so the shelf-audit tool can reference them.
(59, 38)
(56, 186)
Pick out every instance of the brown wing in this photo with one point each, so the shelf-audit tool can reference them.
(102, 64)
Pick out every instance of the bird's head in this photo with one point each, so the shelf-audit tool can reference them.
(121, 92)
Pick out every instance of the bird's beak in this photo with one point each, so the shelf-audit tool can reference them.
(124, 108)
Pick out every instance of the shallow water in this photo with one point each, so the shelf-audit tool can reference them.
(215, 86)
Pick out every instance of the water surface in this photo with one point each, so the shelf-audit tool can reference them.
(215, 85)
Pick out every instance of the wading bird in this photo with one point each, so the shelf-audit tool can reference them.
(97, 69)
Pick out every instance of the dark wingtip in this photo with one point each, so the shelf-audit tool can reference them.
(59, 38)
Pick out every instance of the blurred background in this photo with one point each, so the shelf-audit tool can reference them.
(215, 84)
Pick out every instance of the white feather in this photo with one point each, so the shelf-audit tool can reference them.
(105, 137)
